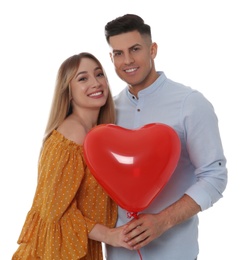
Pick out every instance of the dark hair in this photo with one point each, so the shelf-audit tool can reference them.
(126, 23)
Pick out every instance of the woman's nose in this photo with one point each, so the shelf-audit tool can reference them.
(95, 82)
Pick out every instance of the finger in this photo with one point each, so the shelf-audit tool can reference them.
(136, 235)
(141, 244)
(131, 227)
(139, 241)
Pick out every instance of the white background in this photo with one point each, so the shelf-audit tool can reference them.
(201, 44)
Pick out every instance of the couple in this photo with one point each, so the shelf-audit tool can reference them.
(71, 214)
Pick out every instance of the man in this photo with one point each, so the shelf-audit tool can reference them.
(168, 228)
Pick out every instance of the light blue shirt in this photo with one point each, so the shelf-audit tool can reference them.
(201, 171)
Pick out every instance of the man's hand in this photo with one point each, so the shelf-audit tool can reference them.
(147, 227)
(139, 232)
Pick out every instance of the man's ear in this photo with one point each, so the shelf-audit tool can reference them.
(111, 56)
(153, 50)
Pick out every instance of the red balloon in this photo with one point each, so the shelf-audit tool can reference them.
(133, 166)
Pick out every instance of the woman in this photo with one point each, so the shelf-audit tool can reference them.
(71, 214)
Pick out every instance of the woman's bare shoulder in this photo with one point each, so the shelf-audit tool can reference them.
(72, 130)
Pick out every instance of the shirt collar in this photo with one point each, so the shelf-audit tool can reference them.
(150, 89)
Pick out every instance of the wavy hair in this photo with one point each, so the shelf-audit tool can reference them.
(61, 106)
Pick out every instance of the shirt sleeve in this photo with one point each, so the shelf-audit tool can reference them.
(203, 143)
(55, 228)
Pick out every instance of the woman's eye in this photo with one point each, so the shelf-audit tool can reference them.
(100, 74)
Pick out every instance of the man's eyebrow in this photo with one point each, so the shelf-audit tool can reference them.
(131, 47)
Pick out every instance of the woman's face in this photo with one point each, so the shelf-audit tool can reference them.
(89, 87)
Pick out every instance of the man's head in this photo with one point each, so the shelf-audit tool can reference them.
(132, 51)
(127, 23)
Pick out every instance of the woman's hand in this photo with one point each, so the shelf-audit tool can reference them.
(111, 236)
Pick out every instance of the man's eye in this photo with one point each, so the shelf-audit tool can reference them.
(135, 49)
(117, 53)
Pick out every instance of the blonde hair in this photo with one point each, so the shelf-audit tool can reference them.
(61, 107)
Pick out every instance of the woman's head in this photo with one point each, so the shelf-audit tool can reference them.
(63, 101)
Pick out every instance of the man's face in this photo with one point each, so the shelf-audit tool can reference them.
(133, 57)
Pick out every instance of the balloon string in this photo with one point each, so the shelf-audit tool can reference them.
(134, 215)
(140, 254)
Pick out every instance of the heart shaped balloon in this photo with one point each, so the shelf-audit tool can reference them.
(133, 166)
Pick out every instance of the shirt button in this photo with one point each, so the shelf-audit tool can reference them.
(138, 110)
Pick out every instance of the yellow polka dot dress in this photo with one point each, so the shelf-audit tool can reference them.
(67, 204)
